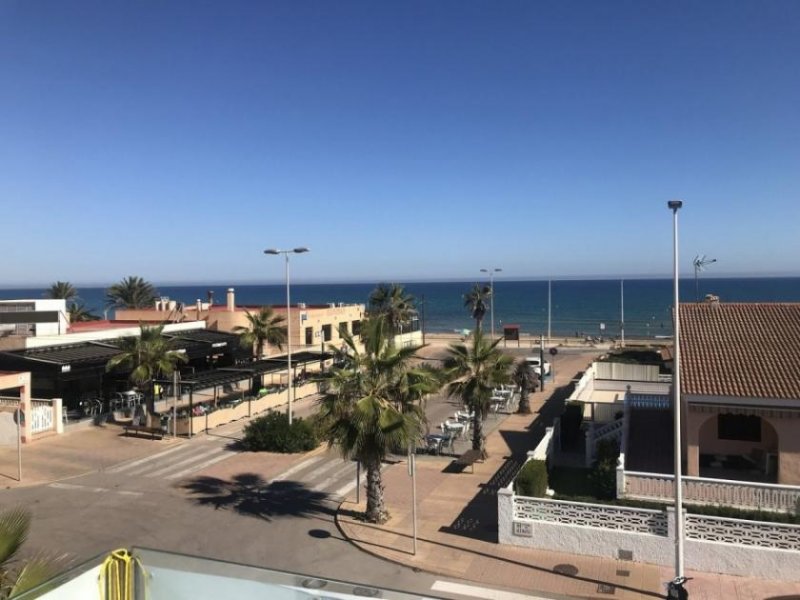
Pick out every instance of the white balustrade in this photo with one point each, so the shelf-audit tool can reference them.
(706, 491)
(782, 536)
(618, 518)
(41, 416)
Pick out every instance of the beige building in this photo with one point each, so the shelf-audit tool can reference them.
(312, 326)
(740, 386)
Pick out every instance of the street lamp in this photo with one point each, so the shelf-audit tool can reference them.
(286, 253)
(677, 583)
(491, 273)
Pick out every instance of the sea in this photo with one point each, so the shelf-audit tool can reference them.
(591, 308)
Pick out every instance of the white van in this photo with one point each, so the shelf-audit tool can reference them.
(536, 365)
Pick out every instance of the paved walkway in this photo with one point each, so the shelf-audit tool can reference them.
(457, 528)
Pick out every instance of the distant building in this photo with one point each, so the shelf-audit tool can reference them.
(22, 319)
(312, 325)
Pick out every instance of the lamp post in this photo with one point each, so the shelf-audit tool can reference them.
(491, 273)
(286, 254)
(677, 583)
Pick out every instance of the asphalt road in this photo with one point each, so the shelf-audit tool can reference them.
(285, 525)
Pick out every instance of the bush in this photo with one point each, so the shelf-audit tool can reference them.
(532, 479)
(272, 433)
(603, 477)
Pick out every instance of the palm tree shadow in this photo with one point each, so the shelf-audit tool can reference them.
(250, 495)
(478, 519)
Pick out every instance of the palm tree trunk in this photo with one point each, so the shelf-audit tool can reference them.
(524, 401)
(478, 441)
(376, 509)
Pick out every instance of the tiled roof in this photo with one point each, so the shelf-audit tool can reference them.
(741, 349)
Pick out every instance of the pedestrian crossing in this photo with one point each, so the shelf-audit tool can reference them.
(176, 462)
(325, 473)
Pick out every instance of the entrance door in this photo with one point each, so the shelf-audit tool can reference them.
(309, 336)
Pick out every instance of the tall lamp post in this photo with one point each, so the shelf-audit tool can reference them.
(676, 586)
(286, 253)
(491, 273)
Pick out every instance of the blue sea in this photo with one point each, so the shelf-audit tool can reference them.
(585, 307)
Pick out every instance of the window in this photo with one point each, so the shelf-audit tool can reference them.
(327, 333)
(356, 328)
(743, 428)
(343, 329)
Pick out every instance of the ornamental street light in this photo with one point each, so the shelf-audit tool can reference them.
(491, 273)
(674, 206)
(290, 391)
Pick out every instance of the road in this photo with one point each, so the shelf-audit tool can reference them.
(204, 497)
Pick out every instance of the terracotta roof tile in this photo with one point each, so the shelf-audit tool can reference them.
(741, 349)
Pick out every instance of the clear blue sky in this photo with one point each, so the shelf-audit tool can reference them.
(398, 140)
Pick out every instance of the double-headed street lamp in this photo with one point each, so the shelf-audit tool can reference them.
(491, 273)
(676, 585)
(286, 253)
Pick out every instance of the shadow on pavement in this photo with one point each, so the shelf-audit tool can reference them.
(478, 519)
(249, 494)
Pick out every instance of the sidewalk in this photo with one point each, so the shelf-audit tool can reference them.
(75, 453)
(457, 530)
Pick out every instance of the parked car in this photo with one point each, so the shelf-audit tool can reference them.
(536, 364)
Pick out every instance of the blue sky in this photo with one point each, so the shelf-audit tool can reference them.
(398, 140)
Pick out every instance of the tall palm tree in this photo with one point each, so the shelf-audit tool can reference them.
(527, 380)
(148, 356)
(477, 301)
(393, 303)
(18, 578)
(78, 312)
(62, 290)
(475, 370)
(364, 416)
(263, 327)
(131, 292)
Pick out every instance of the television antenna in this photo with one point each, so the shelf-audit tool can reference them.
(700, 262)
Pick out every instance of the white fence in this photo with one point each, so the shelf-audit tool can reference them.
(706, 491)
(714, 544)
(42, 418)
(625, 371)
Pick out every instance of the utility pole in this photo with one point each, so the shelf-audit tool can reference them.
(622, 310)
(549, 305)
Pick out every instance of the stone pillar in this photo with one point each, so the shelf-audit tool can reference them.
(505, 515)
(58, 411)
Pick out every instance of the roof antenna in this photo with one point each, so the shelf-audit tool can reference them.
(700, 263)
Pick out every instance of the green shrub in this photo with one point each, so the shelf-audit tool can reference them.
(603, 477)
(532, 479)
(272, 433)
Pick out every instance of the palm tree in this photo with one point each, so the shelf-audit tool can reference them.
(475, 370)
(62, 290)
(78, 312)
(264, 327)
(148, 356)
(393, 303)
(131, 292)
(365, 418)
(477, 301)
(527, 380)
(14, 527)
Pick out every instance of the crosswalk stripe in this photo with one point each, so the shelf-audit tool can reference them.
(158, 464)
(191, 459)
(125, 466)
(327, 466)
(203, 465)
(298, 467)
(347, 466)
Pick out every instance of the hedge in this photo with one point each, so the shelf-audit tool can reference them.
(272, 433)
(532, 479)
